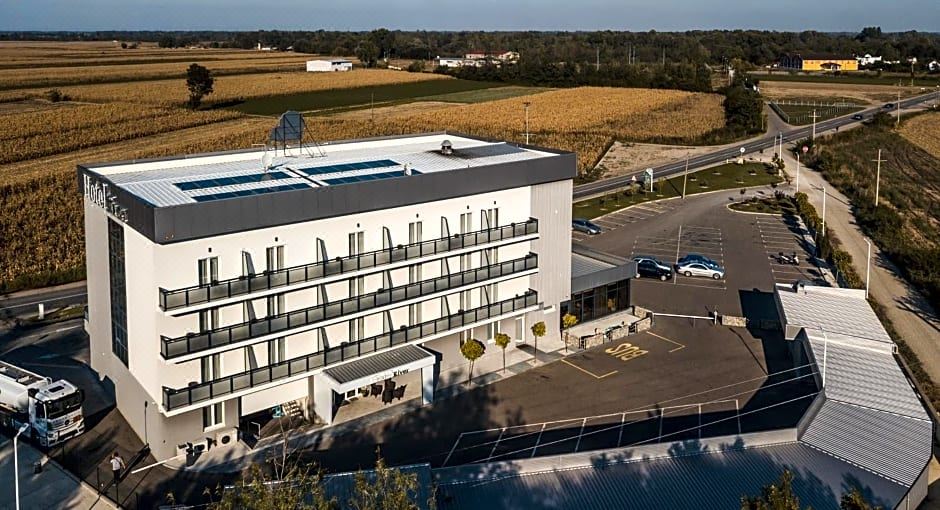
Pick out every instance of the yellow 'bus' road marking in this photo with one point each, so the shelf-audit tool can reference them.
(681, 346)
(588, 372)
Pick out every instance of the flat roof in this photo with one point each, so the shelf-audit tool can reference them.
(181, 198)
(187, 180)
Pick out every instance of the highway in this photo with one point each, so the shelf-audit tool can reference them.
(734, 150)
(26, 303)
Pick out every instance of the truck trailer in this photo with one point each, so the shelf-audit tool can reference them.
(53, 410)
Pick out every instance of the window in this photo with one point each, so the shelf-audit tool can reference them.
(118, 288)
(208, 270)
(275, 305)
(357, 329)
(414, 272)
(466, 223)
(414, 314)
(414, 232)
(490, 218)
(212, 415)
(356, 242)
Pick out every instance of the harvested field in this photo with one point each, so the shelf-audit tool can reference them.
(867, 94)
(108, 73)
(227, 88)
(924, 132)
(624, 158)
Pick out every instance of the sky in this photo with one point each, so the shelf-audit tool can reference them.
(632, 15)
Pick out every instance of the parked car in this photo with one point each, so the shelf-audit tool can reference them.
(858, 116)
(702, 259)
(888, 106)
(651, 267)
(582, 225)
(700, 269)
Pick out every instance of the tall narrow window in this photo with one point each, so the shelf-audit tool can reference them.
(210, 365)
(118, 288)
(414, 272)
(466, 223)
(208, 270)
(276, 348)
(490, 218)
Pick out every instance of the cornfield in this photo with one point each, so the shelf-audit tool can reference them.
(226, 88)
(924, 132)
(32, 135)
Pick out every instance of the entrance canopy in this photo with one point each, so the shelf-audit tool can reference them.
(378, 367)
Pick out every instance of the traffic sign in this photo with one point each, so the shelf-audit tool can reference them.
(805, 149)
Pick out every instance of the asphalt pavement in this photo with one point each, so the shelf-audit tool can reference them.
(732, 151)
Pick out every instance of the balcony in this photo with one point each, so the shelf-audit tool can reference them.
(179, 399)
(299, 275)
(289, 323)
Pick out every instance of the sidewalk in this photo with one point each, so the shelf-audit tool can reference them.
(913, 317)
(52, 488)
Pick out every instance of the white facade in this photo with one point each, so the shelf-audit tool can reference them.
(186, 405)
(867, 60)
(323, 66)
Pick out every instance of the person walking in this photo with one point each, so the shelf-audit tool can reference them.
(117, 466)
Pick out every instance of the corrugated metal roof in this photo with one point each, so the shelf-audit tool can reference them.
(376, 364)
(865, 377)
(692, 477)
(582, 265)
(896, 447)
(833, 310)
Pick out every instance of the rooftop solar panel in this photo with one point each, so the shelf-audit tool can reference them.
(368, 177)
(345, 167)
(228, 181)
(247, 192)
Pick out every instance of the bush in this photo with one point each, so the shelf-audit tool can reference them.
(416, 67)
(56, 95)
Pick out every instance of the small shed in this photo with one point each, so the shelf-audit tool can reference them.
(322, 66)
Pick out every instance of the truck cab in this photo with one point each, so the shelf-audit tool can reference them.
(53, 410)
(56, 413)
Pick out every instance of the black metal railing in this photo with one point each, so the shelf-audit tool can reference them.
(201, 392)
(245, 285)
(283, 323)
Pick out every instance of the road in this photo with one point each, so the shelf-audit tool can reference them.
(19, 304)
(734, 150)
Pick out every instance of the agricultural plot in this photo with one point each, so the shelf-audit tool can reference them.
(800, 112)
(867, 93)
(924, 132)
(227, 89)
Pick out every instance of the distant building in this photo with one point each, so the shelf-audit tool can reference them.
(261, 47)
(325, 66)
(818, 62)
(867, 60)
(458, 62)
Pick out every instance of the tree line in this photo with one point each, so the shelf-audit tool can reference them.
(692, 47)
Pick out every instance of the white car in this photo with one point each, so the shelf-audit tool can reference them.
(700, 269)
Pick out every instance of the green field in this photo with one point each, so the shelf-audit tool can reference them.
(347, 99)
(728, 176)
(852, 79)
(484, 95)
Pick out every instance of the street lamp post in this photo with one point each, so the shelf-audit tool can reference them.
(685, 175)
(16, 465)
(867, 268)
(878, 176)
(526, 106)
(797, 172)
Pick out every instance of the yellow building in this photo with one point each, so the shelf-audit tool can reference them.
(818, 62)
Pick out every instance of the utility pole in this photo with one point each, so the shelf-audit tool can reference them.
(685, 176)
(664, 56)
(898, 123)
(525, 107)
(797, 172)
(814, 124)
(878, 175)
(867, 268)
(824, 212)
(597, 58)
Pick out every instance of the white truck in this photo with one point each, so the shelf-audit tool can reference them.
(53, 410)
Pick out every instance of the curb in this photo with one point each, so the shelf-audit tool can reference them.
(678, 198)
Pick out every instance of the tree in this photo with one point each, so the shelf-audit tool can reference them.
(416, 67)
(538, 330)
(502, 341)
(386, 488)
(367, 53)
(297, 488)
(855, 501)
(167, 41)
(199, 82)
(776, 496)
(568, 321)
(472, 349)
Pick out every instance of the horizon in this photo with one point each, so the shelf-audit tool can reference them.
(841, 16)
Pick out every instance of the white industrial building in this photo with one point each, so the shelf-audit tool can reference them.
(325, 66)
(222, 285)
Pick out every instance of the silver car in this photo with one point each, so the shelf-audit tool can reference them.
(700, 269)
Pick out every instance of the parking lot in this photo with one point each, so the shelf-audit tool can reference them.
(746, 245)
(781, 237)
(656, 386)
(619, 219)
